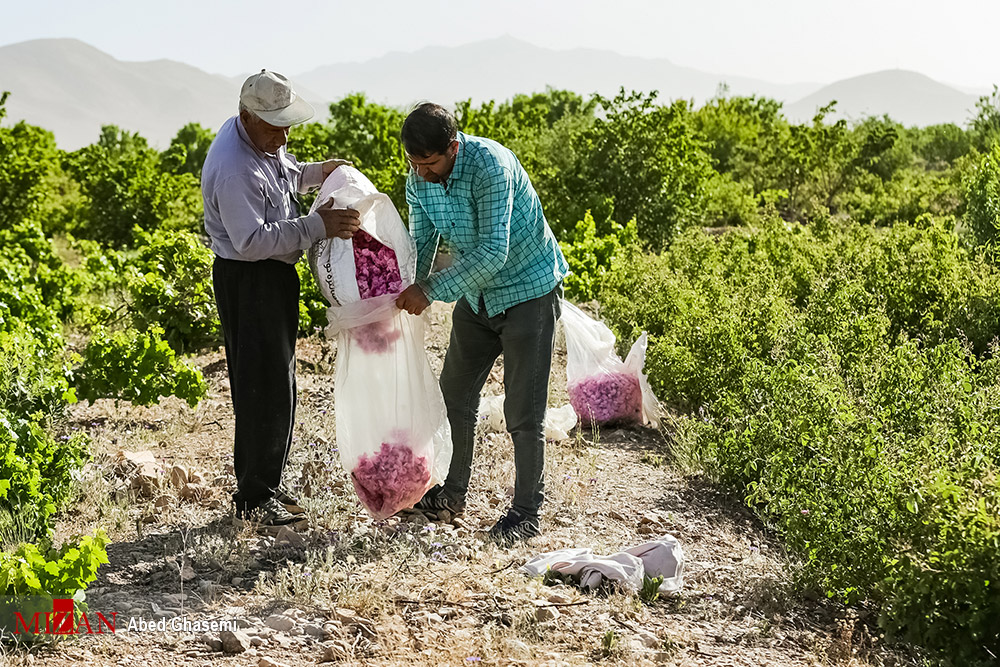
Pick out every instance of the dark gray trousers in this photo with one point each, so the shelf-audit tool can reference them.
(525, 335)
(259, 311)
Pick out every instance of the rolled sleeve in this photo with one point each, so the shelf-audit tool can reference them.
(242, 202)
(312, 176)
(472, 271)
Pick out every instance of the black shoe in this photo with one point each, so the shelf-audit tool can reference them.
(513, 527)
(290, 503)
(438, 507)
(270, 514)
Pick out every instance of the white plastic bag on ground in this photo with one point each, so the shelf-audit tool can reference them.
(663, 557)
(558, 421)
(602, 388)
(392, 426)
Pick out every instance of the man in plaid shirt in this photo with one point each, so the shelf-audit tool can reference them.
(507, 280)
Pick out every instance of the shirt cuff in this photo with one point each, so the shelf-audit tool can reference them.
(314, 225)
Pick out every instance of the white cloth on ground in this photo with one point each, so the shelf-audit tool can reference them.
(662, 557)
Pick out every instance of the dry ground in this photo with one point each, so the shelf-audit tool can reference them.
(355, 591)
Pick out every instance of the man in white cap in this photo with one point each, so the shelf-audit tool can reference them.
(250, 185)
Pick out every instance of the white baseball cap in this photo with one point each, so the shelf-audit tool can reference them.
(270, 96)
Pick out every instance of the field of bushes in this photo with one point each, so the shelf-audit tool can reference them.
(822, 300)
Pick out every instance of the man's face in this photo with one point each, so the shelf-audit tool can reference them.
(436, 167)
(266, 137)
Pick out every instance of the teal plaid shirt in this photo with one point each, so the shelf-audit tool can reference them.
(492, 220)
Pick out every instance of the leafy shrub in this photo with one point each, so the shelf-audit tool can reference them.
(33, 377)
(35, 473)
(844, 379)
(169, 285)
(188, 149)
(28, 155)
(126, 187)
(729, 203)
(983, 200)
(984, 127)
(941, 145)
(34, 570)
(639, 160)
(589, 256)
(136, 366)
(36, 291)
(312, 303)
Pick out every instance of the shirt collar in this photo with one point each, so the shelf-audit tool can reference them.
(459, 167)
(246, 137)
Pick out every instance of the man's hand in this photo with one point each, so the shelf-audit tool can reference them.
(412, 300)
(339, 222)
(330, 165)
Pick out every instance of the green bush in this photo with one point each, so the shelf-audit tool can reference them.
(312, 303)
(33, 377)
(589, 256)
(29, 156)
(729, 203)
(36, 570)
(844, 380)
(127, 187)
(35, 474)
(36, 289)
(983, 200)
(639, 160)
(139, 367)
(169, 285)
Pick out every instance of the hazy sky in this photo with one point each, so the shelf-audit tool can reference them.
(784, 41)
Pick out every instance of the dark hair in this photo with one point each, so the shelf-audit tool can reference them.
(429, 129)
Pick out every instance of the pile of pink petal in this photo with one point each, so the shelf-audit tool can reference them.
(607, 398)
(391, 480)
(377, 337)
(375, 267)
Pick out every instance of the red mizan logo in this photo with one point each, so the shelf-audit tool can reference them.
(62, 620)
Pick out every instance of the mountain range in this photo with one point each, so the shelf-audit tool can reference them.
(72, 88)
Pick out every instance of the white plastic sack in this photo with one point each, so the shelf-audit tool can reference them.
(602, 388)
(392, 426)
(332, 260)
(663, 557)
(635, 361)
(558, 421)
(491, 412)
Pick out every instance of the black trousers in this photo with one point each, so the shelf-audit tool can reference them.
(259, 311)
